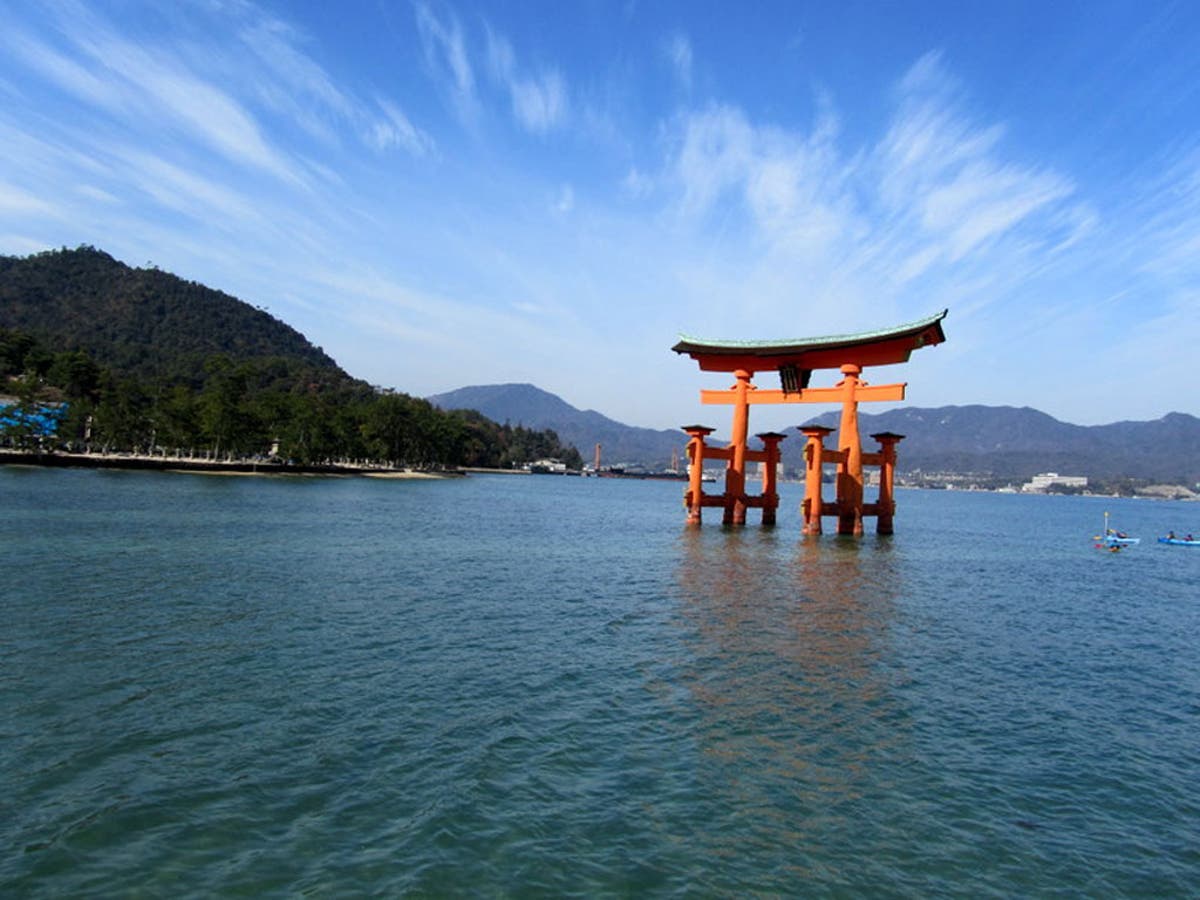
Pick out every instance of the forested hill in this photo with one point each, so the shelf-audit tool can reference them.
(101, 356)
(143, 323)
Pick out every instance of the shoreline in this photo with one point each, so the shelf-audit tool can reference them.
(207, 466)
(200, 466)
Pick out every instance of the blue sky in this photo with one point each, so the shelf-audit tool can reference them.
(448, 194)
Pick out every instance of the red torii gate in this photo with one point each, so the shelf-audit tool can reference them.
(795, 361)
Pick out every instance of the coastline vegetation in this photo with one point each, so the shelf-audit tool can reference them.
(243, 409)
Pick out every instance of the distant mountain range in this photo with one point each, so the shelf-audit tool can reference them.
(1002, 441)
(524, 404)
(1011, 442)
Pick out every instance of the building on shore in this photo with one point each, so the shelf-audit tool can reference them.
(547, 467)
(1039, 484)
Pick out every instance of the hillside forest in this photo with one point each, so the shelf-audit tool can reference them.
(140, 361)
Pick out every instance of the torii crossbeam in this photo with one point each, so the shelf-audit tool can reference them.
(796, 360)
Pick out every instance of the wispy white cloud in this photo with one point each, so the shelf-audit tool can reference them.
(82, 176)
(395, 130)
(983, 201)
(539, 103)
(1168, 206)
(934, 198)
(716, 155)
(96, 194)
(127, 79)
(186, 192)
(445, 50)
(300, 89)
(678, 51)
(186, 88)
(296, 75)
(67, 73)
(208, 112)
(1139, 283)
(48, 158)
(15, 201)
(947, 177)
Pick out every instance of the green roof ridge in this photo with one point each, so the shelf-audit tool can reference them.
(817, 341)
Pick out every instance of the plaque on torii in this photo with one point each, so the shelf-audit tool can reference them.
(795, 361)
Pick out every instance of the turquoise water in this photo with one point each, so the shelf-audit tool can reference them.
(544, 686)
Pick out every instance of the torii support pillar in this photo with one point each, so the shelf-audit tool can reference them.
(694, 499)
(770, 464)
(814, 453)
(886, 505)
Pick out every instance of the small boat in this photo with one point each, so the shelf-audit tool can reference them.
(1121, 538)
(1188, 541)
(1113, 539)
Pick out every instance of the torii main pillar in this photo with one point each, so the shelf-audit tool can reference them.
(795, 361)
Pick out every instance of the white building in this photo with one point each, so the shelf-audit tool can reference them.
(548, 467)
(1039, 483)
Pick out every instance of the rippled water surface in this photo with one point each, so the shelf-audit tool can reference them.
(510, 686)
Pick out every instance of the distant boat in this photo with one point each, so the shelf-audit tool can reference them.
(1119, 539)
(1112, 539)
(641, 473)
(1188, 541)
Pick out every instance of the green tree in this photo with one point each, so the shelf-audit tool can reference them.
(76, 373)
(14, 347)
(219, 406)
(176, 418)
(389, 429)
(121, 420)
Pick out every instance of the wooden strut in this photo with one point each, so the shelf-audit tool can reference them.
(849, 507)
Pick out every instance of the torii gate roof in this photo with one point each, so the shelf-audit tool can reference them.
(869, 348)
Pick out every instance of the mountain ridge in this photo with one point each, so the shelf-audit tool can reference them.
(143, 321)
(1006, 442)
(1018, 442)
(520, 403)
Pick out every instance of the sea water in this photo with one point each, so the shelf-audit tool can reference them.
(549, 686)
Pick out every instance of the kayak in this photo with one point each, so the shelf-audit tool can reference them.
(1116, 540)
(1113, 539)
(1179, 542)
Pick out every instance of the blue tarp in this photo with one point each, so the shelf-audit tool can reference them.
(43, 421)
